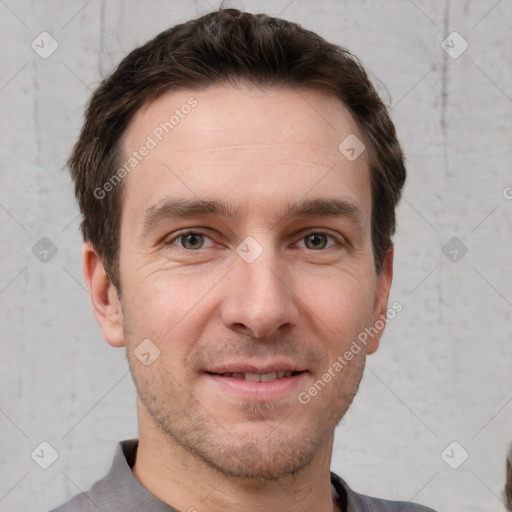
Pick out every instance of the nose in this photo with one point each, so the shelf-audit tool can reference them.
(259, 300)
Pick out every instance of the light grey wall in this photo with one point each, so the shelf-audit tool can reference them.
(443, 372)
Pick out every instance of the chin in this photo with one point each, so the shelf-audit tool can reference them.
(251, 451)
(258, 462)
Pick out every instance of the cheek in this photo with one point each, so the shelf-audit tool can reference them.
(165, 306)
(343, 303)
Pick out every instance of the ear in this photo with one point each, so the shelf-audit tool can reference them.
(381, 300)
(105, 302)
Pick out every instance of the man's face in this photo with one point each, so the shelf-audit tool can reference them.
(278, 277)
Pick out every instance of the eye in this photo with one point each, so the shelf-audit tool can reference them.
(317, 241)
(190, 240)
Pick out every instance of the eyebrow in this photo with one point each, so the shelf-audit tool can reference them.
(171, 208)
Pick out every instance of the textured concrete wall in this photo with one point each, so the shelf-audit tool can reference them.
(443, 373)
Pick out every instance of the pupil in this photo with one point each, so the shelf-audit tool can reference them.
(317, 241)
(190, 241)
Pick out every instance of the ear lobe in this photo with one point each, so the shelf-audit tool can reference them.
(380, 308)
(105, 302)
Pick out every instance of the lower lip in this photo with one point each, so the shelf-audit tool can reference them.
(258, 391)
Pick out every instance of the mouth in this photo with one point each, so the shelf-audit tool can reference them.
(258, 377)
(257, 383)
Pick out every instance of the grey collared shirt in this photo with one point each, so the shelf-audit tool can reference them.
(120, 491)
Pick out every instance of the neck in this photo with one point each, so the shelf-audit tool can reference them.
(181, 480)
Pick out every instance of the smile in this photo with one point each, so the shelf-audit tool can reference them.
(254, 383)
(258, 377)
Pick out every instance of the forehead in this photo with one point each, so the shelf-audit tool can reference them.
(272, 144)
(302, 115)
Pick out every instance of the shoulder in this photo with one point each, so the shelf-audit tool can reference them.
(79, 503)
(370, 504)
(354, 502)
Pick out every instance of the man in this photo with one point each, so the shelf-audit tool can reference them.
(238, 178)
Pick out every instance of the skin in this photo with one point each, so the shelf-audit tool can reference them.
(202, 445)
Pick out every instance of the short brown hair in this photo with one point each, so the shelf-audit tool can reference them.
(228, 47)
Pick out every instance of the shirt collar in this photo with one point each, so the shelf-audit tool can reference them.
(120, 490)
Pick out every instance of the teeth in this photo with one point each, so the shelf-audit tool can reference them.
(252, 377)
(266, 377)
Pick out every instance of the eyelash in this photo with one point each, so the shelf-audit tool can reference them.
(194, 232)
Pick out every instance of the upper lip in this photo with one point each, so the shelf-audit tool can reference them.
(263, 368)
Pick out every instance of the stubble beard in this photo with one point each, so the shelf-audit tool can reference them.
(240, 455)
